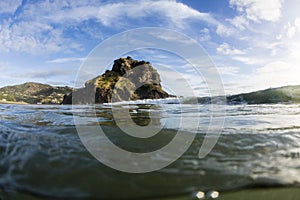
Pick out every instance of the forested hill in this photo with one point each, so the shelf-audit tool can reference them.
(34, 93)
(286, 94)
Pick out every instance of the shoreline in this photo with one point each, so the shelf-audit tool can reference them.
(14, 102)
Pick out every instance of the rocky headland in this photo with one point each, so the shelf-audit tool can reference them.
(128, 79)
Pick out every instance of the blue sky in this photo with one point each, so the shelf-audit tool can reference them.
(254, 44)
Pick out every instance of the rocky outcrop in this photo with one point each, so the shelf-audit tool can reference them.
(129, 79)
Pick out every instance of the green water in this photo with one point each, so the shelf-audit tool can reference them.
(256, 157)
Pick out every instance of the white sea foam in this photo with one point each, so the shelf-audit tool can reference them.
(172, 100)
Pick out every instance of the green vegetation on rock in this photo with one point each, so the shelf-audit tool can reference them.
(129, 79)
(6, 97)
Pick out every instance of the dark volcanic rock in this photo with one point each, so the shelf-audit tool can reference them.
(129, 79)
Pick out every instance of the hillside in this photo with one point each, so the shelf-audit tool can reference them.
(34, 93)
(286, 94)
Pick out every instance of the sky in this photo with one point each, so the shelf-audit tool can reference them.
(254, 44)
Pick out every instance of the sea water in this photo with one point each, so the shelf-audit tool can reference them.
(42, 156)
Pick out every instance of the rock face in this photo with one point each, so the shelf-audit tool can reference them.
(129, 79)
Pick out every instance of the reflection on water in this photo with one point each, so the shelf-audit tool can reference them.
(141, 115)
(42, 155)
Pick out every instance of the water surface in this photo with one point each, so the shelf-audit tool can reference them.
(43, 157)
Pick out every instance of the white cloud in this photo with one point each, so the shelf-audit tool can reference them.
(9, 6)
(275, 74)
(258, 10)
(65, 60)
(297, 23)
(228, 70)
(41, 27)
(111, 13)
(250, 59)
(239, 22)
(290, 30)
(172, 11)
(273, 68)
(226, 49)
(34, 37)
(204, 35)
(223, 30)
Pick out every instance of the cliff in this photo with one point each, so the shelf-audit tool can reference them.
(129, 79)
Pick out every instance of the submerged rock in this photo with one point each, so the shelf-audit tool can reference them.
(129, 79)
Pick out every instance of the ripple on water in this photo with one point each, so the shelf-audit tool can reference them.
(42, 154)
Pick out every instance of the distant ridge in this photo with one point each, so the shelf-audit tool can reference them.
(34, 93)
(285, 94)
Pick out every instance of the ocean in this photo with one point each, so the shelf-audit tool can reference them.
(43, 156)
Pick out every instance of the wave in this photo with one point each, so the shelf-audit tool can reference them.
(171, 100)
